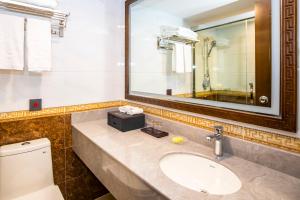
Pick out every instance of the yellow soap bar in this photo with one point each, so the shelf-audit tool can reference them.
(177, 140)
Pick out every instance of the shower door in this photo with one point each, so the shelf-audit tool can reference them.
(226, 64)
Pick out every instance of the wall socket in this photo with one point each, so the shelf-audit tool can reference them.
(35, 104)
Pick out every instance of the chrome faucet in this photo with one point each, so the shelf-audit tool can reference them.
(218, 137)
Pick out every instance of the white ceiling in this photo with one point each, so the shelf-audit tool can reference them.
(233, 9)
(184, 8)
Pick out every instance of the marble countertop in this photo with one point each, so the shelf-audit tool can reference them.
(140, 153)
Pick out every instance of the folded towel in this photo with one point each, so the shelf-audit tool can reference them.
(188, 33)
(178, 58)
(168, 31)
(42, 3)
(131, 110)
(38, 45)
(188, 66)
(124, 109)
(11, 42)
(135, 111)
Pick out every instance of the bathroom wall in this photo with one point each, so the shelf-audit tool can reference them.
(88, 62)
(150, 65)
(88, 67)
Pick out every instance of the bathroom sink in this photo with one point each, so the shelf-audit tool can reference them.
(199, 174)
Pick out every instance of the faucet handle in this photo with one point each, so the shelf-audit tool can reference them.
(219, 129)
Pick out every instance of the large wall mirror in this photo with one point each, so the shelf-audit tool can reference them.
(234, 59)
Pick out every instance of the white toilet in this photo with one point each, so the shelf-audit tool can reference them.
(26, 172)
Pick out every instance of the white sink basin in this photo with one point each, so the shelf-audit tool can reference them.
(199, 174)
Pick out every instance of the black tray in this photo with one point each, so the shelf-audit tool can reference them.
(154, 132)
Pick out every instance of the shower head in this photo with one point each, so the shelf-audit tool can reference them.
(213, 44)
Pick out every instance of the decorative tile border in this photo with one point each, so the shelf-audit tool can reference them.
(262, 137)
(22, 115)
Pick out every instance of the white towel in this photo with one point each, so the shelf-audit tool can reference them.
(125, 109)
(188, 66)
(178, 58)
(135, 111)
(42, 3)
(38, 45)
(188, 33)
(131, 110)
(168, 31)
(11, 42)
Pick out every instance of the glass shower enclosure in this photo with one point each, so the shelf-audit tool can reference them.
(225, 63)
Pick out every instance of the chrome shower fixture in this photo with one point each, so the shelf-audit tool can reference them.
(212, 45)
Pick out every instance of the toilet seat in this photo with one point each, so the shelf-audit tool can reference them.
(48, 193)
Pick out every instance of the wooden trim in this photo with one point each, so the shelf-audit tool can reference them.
(288, 94)
(263, 53)
(127, 47)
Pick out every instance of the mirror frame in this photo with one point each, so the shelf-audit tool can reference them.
(287, 120)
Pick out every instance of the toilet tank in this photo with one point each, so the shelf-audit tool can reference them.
(25, 167)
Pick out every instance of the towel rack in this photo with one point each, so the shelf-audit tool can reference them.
(59, 18)
(165, 42)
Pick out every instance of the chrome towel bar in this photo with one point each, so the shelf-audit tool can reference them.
(59, 18)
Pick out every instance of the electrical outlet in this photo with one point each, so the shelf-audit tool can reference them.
(35, 104)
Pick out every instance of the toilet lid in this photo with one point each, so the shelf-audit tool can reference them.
(48, 193)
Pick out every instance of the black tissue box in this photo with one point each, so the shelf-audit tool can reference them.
(125, 122)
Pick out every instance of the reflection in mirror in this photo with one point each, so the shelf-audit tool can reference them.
(227, 59)
(214, 52)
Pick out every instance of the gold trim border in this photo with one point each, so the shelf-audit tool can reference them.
(47, 112)
(278, 141)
